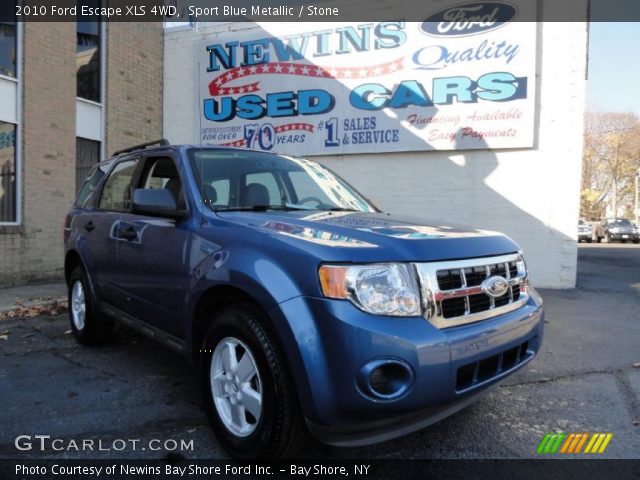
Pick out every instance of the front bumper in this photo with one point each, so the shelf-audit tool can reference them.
(624, 236)
(331, 340)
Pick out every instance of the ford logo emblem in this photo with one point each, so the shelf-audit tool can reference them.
(469, 19)
(495, 286)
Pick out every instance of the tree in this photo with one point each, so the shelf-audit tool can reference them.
(610, 161)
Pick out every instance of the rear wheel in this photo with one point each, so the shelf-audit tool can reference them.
(249, 392)
(87, 326)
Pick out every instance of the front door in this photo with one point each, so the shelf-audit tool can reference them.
(153, 267)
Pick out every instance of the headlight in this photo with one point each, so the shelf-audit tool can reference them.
(381, 289)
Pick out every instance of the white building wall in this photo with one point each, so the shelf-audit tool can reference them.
(532, 195)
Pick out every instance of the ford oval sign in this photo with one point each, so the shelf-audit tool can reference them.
(469, 19)
(495, 286)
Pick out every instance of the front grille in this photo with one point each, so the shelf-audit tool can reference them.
(454, 307)
(453, 278)
(455, 292)
(449, 279)
(485, 369)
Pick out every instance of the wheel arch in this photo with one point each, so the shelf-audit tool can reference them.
(211, 300)
(218, 296)
(71, 260)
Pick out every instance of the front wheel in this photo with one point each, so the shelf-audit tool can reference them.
(249, 392)
(86, 324)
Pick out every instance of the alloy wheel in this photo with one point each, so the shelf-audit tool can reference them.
(236, 386)
(78, 305)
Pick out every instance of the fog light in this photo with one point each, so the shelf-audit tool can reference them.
(385, 379)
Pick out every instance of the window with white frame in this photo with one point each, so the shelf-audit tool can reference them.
(8, 49)
(8, 160)
(88, 54)
(9, 114)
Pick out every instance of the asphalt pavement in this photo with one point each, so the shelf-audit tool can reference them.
(583, 380)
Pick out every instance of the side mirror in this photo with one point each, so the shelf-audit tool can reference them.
(155, 202)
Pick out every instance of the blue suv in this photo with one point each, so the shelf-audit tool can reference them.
(307, 309)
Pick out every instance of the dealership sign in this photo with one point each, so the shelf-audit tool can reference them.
(463, 79)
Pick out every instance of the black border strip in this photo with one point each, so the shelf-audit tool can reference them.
(399, 469)
(290, 10)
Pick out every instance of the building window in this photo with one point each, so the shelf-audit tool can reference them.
(88, 54)
(8, 40)
(87, 155)
(8, 173)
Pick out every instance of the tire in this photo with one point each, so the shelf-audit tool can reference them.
(637, 240)
(273, 429)
(87, 326)
(588, 240)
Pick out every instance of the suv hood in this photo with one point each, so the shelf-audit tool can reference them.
(372, 237)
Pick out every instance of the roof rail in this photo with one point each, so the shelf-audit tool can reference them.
(163, 142)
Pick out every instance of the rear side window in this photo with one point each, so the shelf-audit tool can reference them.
(116, 194)
(88, 187)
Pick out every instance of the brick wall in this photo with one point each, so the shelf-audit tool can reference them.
(134, 84)
(33, 252)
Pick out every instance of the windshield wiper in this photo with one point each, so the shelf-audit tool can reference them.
(341, 209)
(258, 208)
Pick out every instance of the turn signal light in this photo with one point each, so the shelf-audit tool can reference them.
(332, 280)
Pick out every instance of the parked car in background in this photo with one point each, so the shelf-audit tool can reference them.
(617, 229)
(585, 232)
(307, 309)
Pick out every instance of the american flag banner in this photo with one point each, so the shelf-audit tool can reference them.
(326, 89)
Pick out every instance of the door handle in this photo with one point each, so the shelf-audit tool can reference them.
(129, 234)
(89, 226)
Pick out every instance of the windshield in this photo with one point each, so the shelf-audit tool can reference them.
(237, 180)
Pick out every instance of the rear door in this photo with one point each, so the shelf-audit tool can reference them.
(99, 226)
(153, 266)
